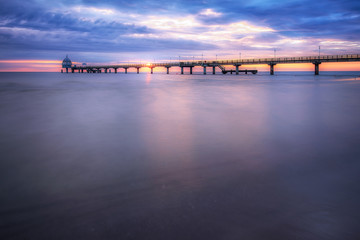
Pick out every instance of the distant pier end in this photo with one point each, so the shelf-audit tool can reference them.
(66, 64)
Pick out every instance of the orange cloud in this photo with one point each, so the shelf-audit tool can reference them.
(32, 61)
(55, 66)
(31, 65)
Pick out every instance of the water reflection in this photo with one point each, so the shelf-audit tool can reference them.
(179, 157)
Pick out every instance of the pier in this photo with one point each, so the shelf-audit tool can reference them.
(223, 65)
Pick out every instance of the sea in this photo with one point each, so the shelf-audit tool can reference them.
(157, 156)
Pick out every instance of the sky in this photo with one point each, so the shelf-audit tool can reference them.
(35, 35)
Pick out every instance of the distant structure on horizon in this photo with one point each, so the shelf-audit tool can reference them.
(66, 63)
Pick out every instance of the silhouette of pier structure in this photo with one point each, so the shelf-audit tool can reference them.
(221, 64)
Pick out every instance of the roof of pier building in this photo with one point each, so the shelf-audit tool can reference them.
(66, 62)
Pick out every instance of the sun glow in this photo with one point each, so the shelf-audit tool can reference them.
(210, 12)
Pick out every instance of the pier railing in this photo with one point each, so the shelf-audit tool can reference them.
(308, 59)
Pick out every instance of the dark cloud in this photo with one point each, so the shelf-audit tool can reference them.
(30, 26)
(35, 28)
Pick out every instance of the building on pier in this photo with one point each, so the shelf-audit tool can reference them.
(67, 63)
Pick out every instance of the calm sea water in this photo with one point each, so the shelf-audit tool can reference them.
(105, 156)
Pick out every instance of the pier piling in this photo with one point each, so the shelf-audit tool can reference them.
(317, 69)
(272, 68)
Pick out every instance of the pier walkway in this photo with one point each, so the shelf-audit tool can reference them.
(316, 60)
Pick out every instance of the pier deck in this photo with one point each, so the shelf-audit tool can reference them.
(316, 60)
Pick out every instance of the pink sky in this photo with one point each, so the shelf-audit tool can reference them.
(55, 66)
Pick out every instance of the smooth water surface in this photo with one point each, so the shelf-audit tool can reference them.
(115, 156)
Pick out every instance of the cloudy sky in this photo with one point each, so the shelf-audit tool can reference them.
(36, 34)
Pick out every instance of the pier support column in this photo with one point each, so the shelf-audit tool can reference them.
(237, 68)
(125, 70)
(72, 70)
(191, 70)
(272, 68)
(106, 70)
(115, 70)
(182, 70)
(167, 70)
(152, 70)
(204, 70)
(137, 70)
(317, 69)
(214, 71)
(67, 70)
